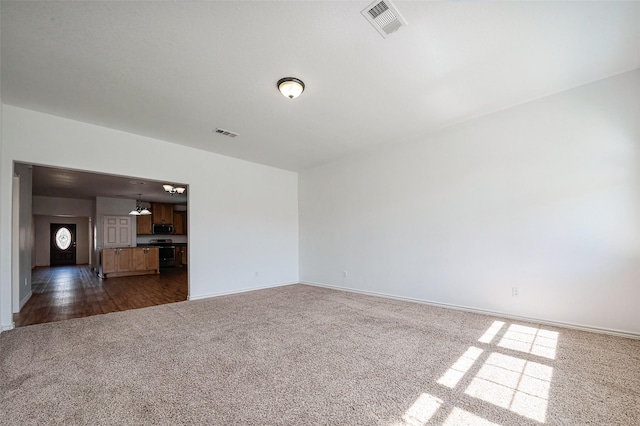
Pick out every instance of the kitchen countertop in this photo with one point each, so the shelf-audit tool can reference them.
(153, 245)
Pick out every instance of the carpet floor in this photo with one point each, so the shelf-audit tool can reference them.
(302, 355)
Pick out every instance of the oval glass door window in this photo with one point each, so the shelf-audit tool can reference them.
(63, 238)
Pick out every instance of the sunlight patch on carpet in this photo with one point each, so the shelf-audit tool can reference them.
(457, 371)
(491, 332)
(515, 384)
(530, 340)
(509, 382)
(422, 410)
(459, 417)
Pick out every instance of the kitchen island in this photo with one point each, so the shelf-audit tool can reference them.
(126, 261)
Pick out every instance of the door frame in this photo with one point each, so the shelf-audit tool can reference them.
(15, 245)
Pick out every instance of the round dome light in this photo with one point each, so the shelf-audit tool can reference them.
(290, 87)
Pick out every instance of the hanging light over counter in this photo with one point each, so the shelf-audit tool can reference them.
(139, 210)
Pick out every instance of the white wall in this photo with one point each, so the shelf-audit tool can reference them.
(65, 210)
(5, 236)
(243, 217)
(544, 197)
(43, 238)
(56, 206)
(25, 232)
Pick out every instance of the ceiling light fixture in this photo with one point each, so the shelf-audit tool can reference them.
(139, 210)
(290, 87)
(173, 190)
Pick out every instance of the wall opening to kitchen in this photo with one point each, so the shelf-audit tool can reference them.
(88, 200)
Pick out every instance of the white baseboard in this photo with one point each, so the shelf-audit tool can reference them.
(7, 327)
(602, 330)
(244, 290)
(25, 299)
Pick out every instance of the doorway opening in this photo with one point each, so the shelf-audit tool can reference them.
(61, 239)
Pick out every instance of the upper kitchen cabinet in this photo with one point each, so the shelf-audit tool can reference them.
(143, 225)
(180, 222)
(162, 213)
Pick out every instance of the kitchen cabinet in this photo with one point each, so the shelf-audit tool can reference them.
(143, 225)
(181, 255)
(120, 262)
(115, 261)
(109, 261)
(180, 223)
(162, 214)
(145, 259)
(153, 259)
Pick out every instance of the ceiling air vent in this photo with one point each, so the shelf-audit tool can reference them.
(226, 132)
(384, 17)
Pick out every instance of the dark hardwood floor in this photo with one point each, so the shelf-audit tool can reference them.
(65, 292)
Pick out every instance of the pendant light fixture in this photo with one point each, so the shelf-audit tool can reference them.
(139, 210)
(173, 190)
(290, 87)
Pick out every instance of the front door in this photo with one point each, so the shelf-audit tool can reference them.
(63, 244)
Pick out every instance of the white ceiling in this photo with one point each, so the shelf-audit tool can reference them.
(177, 70)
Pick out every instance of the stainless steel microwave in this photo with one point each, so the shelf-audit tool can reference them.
(159, 229)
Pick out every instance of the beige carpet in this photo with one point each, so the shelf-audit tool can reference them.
(301, 355)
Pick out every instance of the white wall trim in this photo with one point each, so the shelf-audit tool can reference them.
(612, 332)
(25, 300)
(244, 290)
(15, 246)
(7, 327)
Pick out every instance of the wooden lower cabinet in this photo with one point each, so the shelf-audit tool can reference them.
(115, 261)
(121, 262)
(181, 255)
(152, 259)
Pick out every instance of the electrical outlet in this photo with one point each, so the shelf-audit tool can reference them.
(344, 274)
(515, 291)
(25, 281)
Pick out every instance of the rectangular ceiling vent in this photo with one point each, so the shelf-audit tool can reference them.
(226, 132)
(384, 17)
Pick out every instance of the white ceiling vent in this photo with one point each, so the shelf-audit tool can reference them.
(384, 17)
(226, 132)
